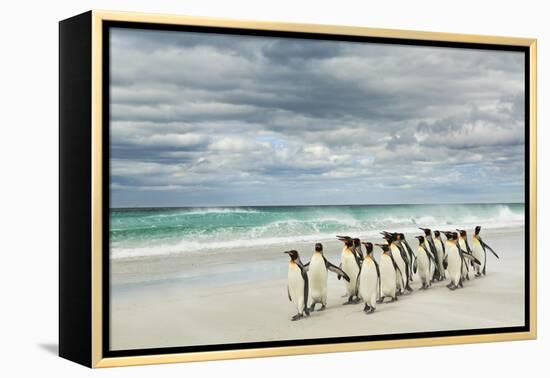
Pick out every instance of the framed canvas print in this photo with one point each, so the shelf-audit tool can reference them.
(236, 189)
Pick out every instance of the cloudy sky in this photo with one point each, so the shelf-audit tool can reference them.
(205, 119)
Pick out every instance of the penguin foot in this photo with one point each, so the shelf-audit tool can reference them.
(323, 308)
(371, 310)
(366, 308)
(356, 300)
(410, 289)
(350, 301)
(453, 287)
(296, 317)
(381, 300)
(478, 274)
(312, 307)
(394, 299)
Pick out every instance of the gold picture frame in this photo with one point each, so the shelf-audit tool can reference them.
(90, 328)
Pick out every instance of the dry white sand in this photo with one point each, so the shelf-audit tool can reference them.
(240, 296)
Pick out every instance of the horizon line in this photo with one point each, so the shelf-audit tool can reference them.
(317, 205)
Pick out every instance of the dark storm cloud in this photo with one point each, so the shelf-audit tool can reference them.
(219, 119)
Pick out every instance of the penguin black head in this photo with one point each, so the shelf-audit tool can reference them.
(420, 239)
(368, 246)
(318, 247)
(427, 231)
(478, 228)
(387, 236)
(346, 240)
(437, 234)
(401, 236)
(462, 233)
(293, 254)
(384, 247)
(356, 242)
(451, 235)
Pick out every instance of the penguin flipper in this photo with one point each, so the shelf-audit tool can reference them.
(360, 253)
(396, 267)
(378, 274)
(485, 245)
(303, 270)
(306, 292)
(288, 292)
(468, 256)
(334, 269)
(306, 266)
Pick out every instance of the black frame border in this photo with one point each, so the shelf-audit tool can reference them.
(105, 88)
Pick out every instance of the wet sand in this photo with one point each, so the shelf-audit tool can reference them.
(236, 296)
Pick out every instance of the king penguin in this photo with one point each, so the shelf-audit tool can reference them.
(440, 249)
(350, 265)
(402, 277)
(317, 269)
(298, 284)
(454, 260)
(479, 249)
(369, 280)
(438, 275)
(357, 249)
(425, 261)
(465, 247)
(412, 256)
(388, 274)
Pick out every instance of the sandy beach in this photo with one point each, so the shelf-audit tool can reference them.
(239, 295)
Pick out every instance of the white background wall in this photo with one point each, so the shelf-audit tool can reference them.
(28, 176)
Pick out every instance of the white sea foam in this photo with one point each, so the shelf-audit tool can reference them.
(321, 224)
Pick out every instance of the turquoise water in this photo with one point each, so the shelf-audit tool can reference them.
(158, 231)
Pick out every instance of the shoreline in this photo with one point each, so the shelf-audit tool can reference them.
(230, 297)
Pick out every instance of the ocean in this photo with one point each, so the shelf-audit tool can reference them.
(142, 232)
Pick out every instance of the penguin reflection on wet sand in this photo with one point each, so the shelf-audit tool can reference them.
(298, 285)
(317, 270)
(479, 249)
(351, 265)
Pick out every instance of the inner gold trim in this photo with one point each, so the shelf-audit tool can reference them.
(99, 16)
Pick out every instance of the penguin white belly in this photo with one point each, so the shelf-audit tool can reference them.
(317, 275)
(424, 271)
(401, 277)
(368, 282)
(349, 266)
(454, 263)
(296, 286)
(477, 251)
(387, 276)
